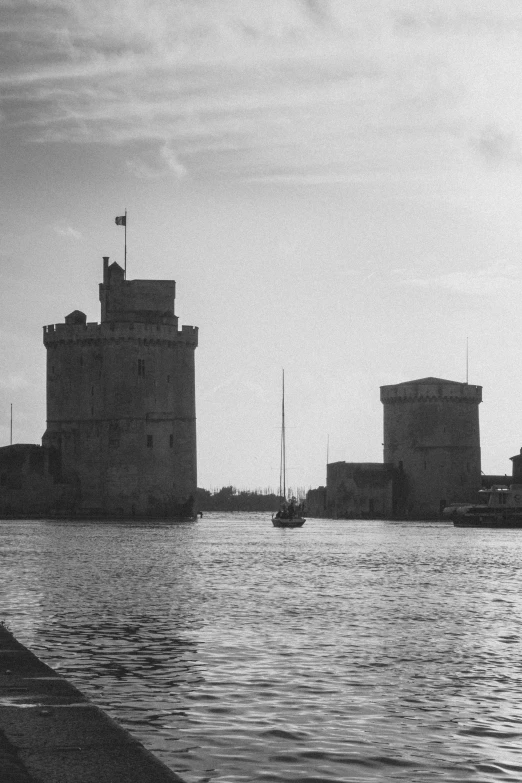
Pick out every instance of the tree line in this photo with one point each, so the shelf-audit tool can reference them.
(232, 499)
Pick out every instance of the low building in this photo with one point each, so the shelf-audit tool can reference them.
(31, 482)
(359, 490)
(316, 502)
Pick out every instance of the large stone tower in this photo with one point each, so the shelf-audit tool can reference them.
(121, 401)
(431, 434)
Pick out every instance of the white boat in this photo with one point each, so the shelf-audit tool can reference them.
(290, 513)
(502, 507)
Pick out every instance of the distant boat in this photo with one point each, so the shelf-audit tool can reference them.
(290, 513)
(502, 508)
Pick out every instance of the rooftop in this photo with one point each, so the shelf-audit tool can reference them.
(430, 380)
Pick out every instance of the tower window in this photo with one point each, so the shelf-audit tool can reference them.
(141, 367)
(171, 441)
(168, 378)
(149, 441)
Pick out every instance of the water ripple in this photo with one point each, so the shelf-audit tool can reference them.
(347, 651)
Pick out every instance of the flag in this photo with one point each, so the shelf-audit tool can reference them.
(121, 221)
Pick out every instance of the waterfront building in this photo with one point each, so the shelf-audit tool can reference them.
(359, 490)
(431, 456)
(121, 419)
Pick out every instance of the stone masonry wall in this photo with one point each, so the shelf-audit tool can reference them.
(359, 490)
(121, 403)
(432, 429)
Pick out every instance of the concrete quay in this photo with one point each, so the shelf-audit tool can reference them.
(50, 732)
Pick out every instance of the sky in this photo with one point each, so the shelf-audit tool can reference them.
(335, 186)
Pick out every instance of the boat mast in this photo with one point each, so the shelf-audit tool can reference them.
(327, 455)
(282, 470)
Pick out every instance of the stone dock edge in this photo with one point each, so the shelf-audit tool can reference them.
(51, 733)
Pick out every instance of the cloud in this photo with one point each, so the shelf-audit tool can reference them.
(236, 384)
(274, 90)
(497, 147)
(156, 163)
(496, 278)
(65, 230)
(13, 382)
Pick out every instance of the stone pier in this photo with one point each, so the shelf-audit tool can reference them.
(50, 732)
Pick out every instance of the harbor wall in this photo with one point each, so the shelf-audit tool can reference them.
(51, 733)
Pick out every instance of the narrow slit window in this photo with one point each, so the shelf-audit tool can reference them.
(171, 441)
(149, 441)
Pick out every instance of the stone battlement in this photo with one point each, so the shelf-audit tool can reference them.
(431, 392)
(66, 332)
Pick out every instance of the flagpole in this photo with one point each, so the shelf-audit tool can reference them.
(125, 256)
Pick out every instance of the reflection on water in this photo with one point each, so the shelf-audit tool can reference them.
(361, 651)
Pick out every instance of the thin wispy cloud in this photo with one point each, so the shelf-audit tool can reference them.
(65, 230)
(498, 147)
(156, 163)
(13, 382)
(293, 88)
(494, 279)
(236, 383)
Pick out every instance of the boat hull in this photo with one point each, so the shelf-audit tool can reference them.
(294, 522)
(489, 522)
(503, 509)
(490, 518)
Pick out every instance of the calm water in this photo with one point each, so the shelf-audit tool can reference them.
(343, 651)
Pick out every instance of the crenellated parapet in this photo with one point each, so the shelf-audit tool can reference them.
(431, 389)
(55, 334)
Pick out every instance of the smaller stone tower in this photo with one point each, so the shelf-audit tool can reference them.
(431, 434)
(121, 402)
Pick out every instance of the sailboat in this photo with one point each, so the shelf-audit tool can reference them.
(290, 514)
